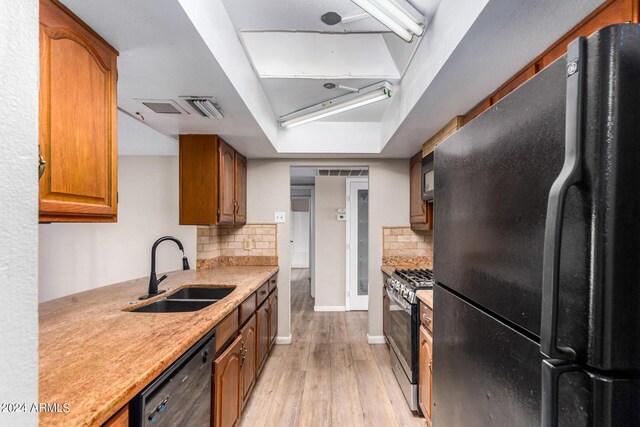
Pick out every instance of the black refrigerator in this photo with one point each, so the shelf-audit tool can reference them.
(537, 249)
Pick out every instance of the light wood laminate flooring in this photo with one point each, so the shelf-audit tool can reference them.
(329, 375)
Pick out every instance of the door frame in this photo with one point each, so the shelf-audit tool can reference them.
(312, 231)
(351, 261)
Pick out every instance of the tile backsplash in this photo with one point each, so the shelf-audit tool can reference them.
(403, 243)
(217, 241)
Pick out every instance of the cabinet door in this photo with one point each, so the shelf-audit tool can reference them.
(263, 334)
(425, 370)
(248, 358)
(417, 208)
(240, 189)
(226, 179)
(198, 158)
(77, 124)
(273, 317)
(227, 390)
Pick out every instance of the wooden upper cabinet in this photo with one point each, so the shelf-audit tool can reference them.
(226, 176)
(608, 13)
(77, 120)
(213, 182)
(240, 190)
(227, 389)
(417, 207)
(198, 156)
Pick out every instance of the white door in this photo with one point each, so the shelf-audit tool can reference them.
(300, 235)
(357, 244)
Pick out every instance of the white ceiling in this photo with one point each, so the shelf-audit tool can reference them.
(301, 15)
(286, 39)
(162, 56)
(170, 48)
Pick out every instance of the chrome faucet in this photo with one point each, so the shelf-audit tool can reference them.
(153, 279)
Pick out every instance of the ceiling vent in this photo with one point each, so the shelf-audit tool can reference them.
(163, 106)
(343, 172)
(205, 106)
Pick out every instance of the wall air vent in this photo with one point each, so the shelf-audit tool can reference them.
(204, 105)
(343, 172)
(163, 106)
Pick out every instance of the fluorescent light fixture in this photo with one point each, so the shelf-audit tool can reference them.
(366, 96)
(397, 15)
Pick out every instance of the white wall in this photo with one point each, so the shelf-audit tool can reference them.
(331, 251)
(19, 208)
(77, 257)
(269, 190)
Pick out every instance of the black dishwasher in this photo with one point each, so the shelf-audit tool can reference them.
(181, 396)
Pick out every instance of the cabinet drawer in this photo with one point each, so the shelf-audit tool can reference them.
(247, 308)
(226, 329)
(426, 316)
(273, 283)
(262, 293)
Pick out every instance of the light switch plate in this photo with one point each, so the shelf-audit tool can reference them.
(279, 217)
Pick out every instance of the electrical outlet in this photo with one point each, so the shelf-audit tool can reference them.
(246, 244)
(279, 217)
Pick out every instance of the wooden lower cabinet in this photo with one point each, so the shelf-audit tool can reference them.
(227, 393)
(237, 367)
(263, 335)
(425, 372)
(248, 358)
(120, 419)
(273, 317)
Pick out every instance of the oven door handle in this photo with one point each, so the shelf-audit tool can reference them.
(405, 306)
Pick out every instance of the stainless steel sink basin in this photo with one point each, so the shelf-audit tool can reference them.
(201, 293)
(174, 306)
(189, 298)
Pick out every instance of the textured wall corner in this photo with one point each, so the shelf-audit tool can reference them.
(19, 208)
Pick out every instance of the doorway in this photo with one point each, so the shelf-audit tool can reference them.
(338, 271)
(301, 231)
(357, 294)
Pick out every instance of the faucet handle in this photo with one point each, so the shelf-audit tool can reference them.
(164, 276)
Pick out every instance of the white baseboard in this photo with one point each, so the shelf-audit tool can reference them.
(299, 266)
(283, 340)
(329, 308)
(376, 339)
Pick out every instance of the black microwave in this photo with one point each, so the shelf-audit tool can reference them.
(427, 177)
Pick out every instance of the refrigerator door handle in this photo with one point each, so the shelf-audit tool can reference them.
(570, 174)
(552, 369)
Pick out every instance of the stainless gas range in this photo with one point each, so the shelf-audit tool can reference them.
(400, 324)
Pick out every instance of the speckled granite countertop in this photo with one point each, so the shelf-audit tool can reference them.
(96, 357)
(426, 296)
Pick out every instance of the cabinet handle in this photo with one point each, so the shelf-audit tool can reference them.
(236, 207)
(263, 292)
(426, 318)
(42, 164)
(431, 366)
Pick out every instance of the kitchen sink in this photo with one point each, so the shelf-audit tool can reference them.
(189, 298)
(174, 306)
(201, 293)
